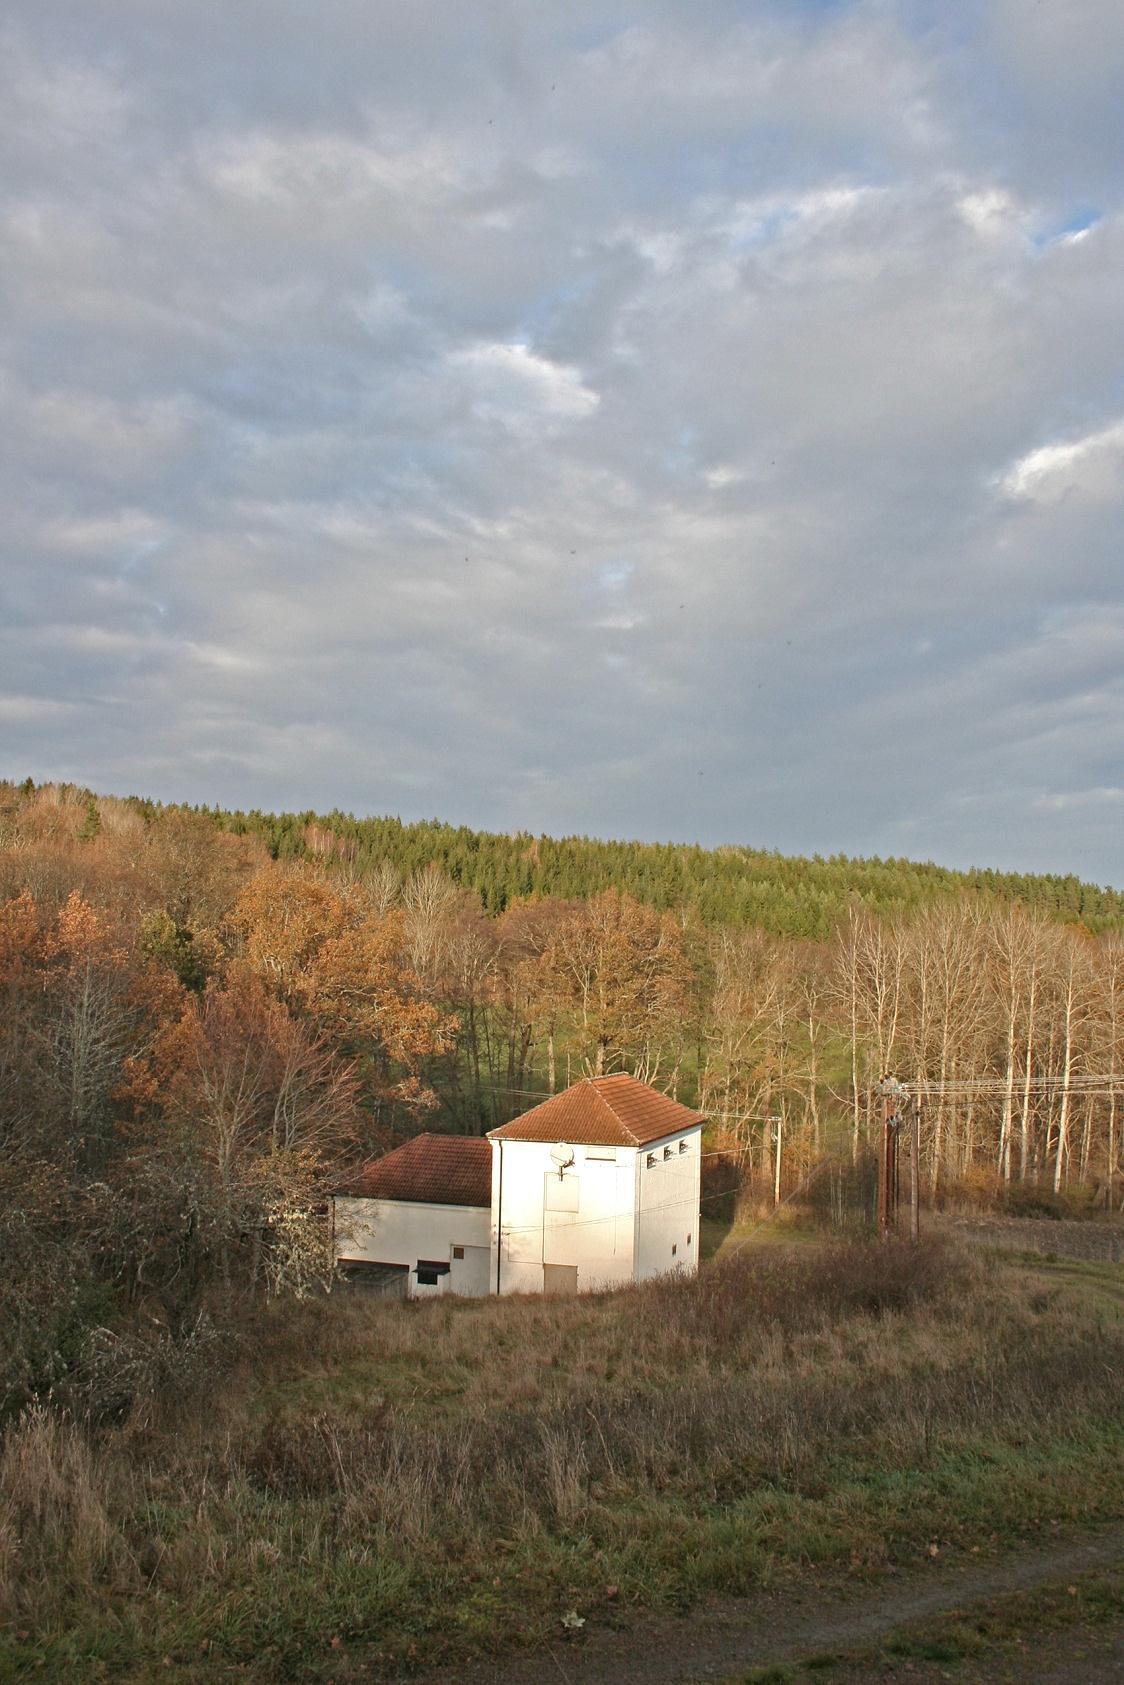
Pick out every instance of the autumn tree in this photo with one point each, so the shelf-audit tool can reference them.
(618, 973)
(261, 1113)
(324, 953)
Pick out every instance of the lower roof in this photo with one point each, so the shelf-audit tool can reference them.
(429, 1170)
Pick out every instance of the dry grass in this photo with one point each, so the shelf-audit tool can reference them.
(54, 1509)
(428, 1475)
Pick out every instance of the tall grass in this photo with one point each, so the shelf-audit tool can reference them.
(55, 1507)
(433, 1474)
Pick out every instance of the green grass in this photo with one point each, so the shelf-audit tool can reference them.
(1099, 1284)
(991, 1633)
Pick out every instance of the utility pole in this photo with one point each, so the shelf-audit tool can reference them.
(888, 1178)
(914, 1105)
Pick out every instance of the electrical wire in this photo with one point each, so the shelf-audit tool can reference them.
(1093, 1085)
(630, 1211)
(537, 1095)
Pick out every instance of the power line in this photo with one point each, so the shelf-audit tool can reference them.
(1093, 1084)
(723, 1115)
(987, 1087)
(630, 1211)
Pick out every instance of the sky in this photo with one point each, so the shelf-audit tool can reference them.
(677, 421)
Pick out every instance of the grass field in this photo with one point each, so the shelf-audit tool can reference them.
(372, 1488)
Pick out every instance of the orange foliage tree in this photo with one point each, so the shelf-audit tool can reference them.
(263, 1111)
(616, 975)
(332, 958)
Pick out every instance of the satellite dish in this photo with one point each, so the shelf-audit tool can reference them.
(562, 1155)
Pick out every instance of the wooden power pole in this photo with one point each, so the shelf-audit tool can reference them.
(914, 1105)
(894, 1099)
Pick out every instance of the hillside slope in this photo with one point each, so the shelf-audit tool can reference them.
(788, 895)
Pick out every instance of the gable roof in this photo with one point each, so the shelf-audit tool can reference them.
(616, 1111)
(429, 1170)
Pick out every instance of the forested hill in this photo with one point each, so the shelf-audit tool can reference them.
(788, 895)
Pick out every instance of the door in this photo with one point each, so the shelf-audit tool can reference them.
(471, 1271)
(560, 1278)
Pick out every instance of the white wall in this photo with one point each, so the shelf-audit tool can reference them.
(398, 1231)
(585, 1219)
(667, 1206)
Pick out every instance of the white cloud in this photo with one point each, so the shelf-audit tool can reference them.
(992, 212)
(319, 169)
(1092, 464)
(513, 384)
(123, 531)
(724, 475)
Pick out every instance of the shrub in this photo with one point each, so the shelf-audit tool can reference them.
(115, 1370)
(748, 1293)
(1038, 1199)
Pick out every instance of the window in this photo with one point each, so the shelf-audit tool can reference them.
(651, 1161)
(382, 1281)
(688, 1240)
(458, 1251)
(667, 1152)
(429, 1272)
(674, 1249)
(682, 1146)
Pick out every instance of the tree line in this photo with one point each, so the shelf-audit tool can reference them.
(784, 894)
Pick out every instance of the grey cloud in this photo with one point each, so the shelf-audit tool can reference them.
(641, 421)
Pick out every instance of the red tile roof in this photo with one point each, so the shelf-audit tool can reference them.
(429, 1170)
(616, 1111)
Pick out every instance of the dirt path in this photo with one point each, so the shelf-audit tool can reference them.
(726, 1639)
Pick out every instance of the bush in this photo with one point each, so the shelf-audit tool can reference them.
(749, 1293)
(977, 1190)
(1038, 1199)
(115, 1370)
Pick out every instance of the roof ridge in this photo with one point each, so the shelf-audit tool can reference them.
(611, 1109)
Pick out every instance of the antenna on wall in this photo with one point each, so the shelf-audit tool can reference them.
(562, 1156)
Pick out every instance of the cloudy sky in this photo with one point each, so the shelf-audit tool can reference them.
(671, 420)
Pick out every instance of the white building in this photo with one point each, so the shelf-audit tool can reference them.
(595, 1187)
(417, 1221)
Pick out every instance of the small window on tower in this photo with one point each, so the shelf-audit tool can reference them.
(682, 1146)
(674, 1249)
(651, 1161)
(667, 1152)
(688, 1240)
